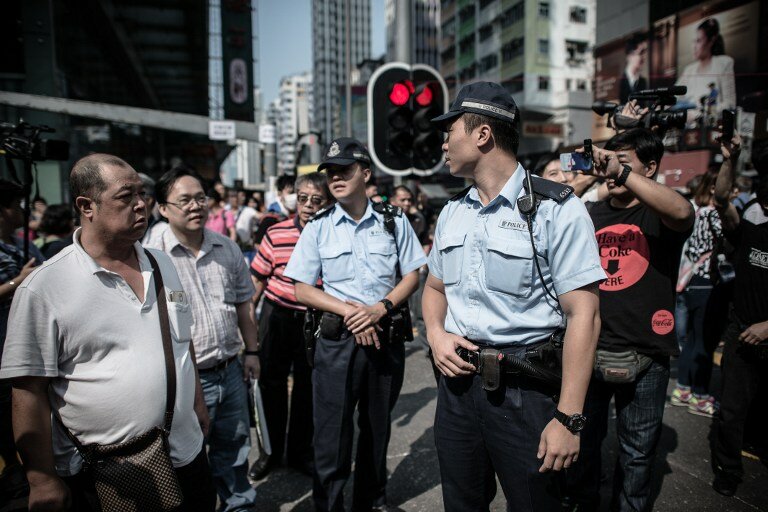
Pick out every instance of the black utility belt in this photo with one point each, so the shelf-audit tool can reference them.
(541, 361)
(397, 324)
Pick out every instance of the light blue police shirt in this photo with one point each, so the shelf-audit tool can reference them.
(483, 256)
(356, 259)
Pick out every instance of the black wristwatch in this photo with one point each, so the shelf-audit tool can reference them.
(575, 422)
(387, 305)
(621, 179)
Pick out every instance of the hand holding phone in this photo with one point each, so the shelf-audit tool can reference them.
(578, 161)
(729, 120)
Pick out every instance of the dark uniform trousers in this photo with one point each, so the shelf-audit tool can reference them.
(480, 434)
(282, 349)
(348, 375)
(744, 368)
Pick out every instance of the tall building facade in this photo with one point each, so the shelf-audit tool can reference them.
(294, 114)
(425, 37)
(329, 53)
(541, 51)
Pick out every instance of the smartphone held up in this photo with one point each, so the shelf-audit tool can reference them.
(581, 161)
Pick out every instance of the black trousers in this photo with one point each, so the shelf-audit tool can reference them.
(346, 376)
(194, 479)
(481, 434)
(282, 349)
(744, 367)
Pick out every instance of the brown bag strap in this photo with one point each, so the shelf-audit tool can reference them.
(165, 330)
(170, 365)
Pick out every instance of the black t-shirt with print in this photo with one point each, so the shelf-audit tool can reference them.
(641, 257)
(750, 295)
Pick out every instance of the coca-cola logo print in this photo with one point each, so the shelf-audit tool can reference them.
(662, 322)
(624, 255)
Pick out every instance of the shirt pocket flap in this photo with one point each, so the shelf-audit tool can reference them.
(516, 248)
(382, 248)
(333, 251)
(446, 242)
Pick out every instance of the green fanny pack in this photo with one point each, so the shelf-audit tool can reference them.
(620, 367)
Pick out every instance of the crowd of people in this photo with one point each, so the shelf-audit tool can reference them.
(545, 296)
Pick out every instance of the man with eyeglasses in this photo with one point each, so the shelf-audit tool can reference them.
(219, 289)
(359, 249)
(281, 337)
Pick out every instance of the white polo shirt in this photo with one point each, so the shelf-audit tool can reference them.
(82, 326)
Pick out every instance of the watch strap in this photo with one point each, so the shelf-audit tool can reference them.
(621, 179)
(387, 305)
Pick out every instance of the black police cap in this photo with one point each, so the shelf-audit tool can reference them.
(484, 98)
(345, 151)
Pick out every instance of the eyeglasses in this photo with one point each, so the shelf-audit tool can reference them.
(316, 200)
(186, 203)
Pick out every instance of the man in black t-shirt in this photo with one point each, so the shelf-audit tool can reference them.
(745, 355)
(640, 231)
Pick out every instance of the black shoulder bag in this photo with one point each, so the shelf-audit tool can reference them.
(138, 475)
(401, 326)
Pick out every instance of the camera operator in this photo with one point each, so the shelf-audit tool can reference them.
(640, 232)
(745, 356)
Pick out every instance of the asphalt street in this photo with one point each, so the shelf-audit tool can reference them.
(681, 478)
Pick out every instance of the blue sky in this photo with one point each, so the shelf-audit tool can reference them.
(285, 40)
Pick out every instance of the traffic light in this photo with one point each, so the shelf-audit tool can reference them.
(402, 100)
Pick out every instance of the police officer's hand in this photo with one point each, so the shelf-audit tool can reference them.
(361, 317)
(755, 333)
(369, 337)
(558, 447)
(444, 345)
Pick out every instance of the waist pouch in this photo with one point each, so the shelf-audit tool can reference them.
(311, 329)
(620, 367)
(134, 476)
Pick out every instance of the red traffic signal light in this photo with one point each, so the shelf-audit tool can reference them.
(424, 96)
(401, 93)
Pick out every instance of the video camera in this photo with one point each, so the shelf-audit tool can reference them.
(653, 99)
(23, 141)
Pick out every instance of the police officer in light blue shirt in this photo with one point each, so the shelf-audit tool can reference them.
(368, 257)
(515, 261)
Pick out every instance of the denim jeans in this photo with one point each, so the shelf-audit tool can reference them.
(229, 436)
(694, 367)
(639, 411)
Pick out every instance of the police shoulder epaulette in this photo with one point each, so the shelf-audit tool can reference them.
(461, 194)
(387, 209)
(547, 189)
(322, 213)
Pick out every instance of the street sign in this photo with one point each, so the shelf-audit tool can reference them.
(221, 130)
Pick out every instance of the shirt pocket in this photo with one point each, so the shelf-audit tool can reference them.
(181, 319)
(509, 267)
(337, 263)
(383, 258)
(452, 255)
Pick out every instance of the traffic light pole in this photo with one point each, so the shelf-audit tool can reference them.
(403, 48)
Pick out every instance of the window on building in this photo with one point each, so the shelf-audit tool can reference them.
(467, 12)
(485, 3)
(567, 84)
(512, 49)
(513, 14)
(449, 27)
(576, 51)
(543, 83)
(581, 85)
(514, 84)
(544, 9)
(544, 46)
(578, 14)
(485, 32)
(489, 62)
(467, 43)
(448, 54)
(468, 73)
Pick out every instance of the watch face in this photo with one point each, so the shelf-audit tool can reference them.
(577, 422)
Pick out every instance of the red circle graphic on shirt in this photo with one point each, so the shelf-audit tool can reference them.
(624, 255)
(662, 322)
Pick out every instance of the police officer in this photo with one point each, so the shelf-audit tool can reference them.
(496, 285)
(359, 249)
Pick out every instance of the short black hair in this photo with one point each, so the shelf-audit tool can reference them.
(646, 144)
(57, 220)
(86, 179)
(635, 41)
(317, 179)
(284, 182)
(506, 135)
(404, 189)
(167, 180)
(9, 192)
(544, 161)
(760, 158)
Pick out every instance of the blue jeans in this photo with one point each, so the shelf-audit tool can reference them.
(694, 367)
(681, 320)
(229, 437)
(639, 411)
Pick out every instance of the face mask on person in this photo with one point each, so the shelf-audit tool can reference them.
(290, 202)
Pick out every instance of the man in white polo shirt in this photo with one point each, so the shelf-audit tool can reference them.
(84, 340)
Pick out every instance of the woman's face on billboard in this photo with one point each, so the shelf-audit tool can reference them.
(702, 47)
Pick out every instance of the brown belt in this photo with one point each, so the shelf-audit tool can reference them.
(218, 366)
